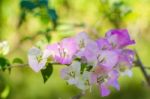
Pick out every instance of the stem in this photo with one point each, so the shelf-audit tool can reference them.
(16, 65)
(147, 68)
(142, 67)
(24, 65)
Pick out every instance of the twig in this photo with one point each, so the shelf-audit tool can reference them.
(18, 65)
(147, 67)
(14, 66)
(142, 67)
(24, 65)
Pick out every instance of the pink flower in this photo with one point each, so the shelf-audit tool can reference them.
(103, 44)
(64, 51)
(82, 40)
(104, 80)
(119, 38)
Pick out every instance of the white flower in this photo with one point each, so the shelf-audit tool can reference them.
(36, 62)
(73, 76)
(4, 47)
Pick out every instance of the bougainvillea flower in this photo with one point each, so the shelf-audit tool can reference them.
(82, 40)
(4, 48)
(35, 59)
(107, 59)
(89, 54)
(95, 56)
(64, 51)
(104, 90)
(73, 76)
(112, 80)
(87, 47)
(119, 38)
(71, 73)
(126, 57)
(103, 44)
(105, 80)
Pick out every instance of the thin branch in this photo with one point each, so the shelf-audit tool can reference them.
(18, 65)
(14, 66)
(142, 67)
(146, 67)
(24, 65)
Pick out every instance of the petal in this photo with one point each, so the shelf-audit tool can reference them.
(113, 79)
(103, 44)
(81, 85)
(126, 57)
(64, 73)
(119, 37)
(69, 45)
(93, 78)
(72, 81)
(115, 84)
(33, 61)
(104, 90)
(46, 53)
(34, 51)
(76, 66)
(110, 58)
(90, 53)
(53, 50)
(82, 39)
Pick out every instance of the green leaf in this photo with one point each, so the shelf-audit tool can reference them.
(48, 37)
(5, 92)
(83, 66)
(22, 18)
(46, 73)
(43, 3)
(17, 60)
(53, 16)
(4, 63)
(27, 4)
(89, 68)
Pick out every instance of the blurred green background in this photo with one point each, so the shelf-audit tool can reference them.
(25, 23)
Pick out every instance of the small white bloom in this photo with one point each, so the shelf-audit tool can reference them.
(4, 48)
(36, 62)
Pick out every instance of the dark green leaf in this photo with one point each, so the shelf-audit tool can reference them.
(83, 66)
(22, 18)
(43, 3)
(4, 63)
(25, 4)
(48, 37)
(46, 73)
(89, 68)
(53, 16)
(17, 60)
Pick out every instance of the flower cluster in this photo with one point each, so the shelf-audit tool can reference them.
(89, 62)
